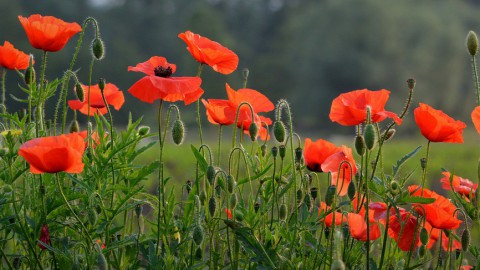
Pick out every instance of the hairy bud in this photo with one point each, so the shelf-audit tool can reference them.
(472, 43)
(279, 131)
(178, 132)
(98, 49)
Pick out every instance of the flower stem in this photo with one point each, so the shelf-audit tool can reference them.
(161, 188)
(199, 120)
(41, 102)
(475, 75)
(4, 76)
(111, 145)
(424, 175)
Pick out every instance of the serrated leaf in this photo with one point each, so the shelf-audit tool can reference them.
(401, 161)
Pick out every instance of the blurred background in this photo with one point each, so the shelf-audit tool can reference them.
(306, 51)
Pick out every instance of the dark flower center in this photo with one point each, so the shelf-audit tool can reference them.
(163, 72)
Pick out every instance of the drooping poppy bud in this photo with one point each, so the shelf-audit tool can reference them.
(360, 145)
(389, 134)
(282, 214)
(253, 131)
(74, 126)
(212, 206)
(465, 239)
(263, 150)
(279, 131)
(351, 191)
(424, 237)
(197, 235)
(143, 130)
(370, 136)
(29, 75)
(331, 190)
(98, 49)
(79, 92)
(233, 200)
(230, 183)
(210, 174)
(178, 132)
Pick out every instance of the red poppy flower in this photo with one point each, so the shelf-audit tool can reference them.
(219, 111)
(460, 185)
(112, 94)
(358, 227)
(158, 84)
(95, 137)
(101, 244)
(315, 153)
(328, 219)
(11, 58)
(342, 167)
(210, 52)
(435, 234)
(440, 213)
(476, 118)
(54, 154)
(229, 213)
(403, 230)
(379, 210)
(436, 126)
(48, 33)
(350, 109)
(44, 237)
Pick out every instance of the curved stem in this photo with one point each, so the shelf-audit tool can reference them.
(235, 124)
(160, 176)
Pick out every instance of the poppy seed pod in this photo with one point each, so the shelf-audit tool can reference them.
(138, 210)
(74, 126)
(282, 150)
(212, 206)
(245, 73)
(197, 235)
(178, 132)
(279, 131)
(101, 84)
(79, 92)
(298, 154)
(210, 174)
(29, 75)
(233, 201)
(282, 214)
(421, 251)
(314, 192)
(370, 136)
(411, 83)
(299, 196)
(263, 150)
(329, 196)
(465, 239)
(274, 151)
(143, 130)
(253, 131)
(98, 49)
(360, 145)
(424, 237)
(423, 163)
(472, 43)
(230, 183)
(389, 134)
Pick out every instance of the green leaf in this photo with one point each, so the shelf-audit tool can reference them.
(200, 159)
(416, 199)
(401, 161)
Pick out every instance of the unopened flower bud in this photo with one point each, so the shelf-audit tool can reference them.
(98, 49)
(279, 131)
(212, 206)
(143, 130)
(197, 234)
(233, 201)
(424, 237)
(178, 132)
(263, 150)
(465, 239)
(308, 201)
(29, 75)
(472, 43)
(389, 134)
(351, 190)
(421, 251)
(411, 83)
(360, 145)
(230, 183)
(253, 131)
(138, 210)
(101, 84)
(370, 136)
(299, 196)
(274, 151)
(79, 92)
(282, 214)
(199, 253)
(298, 154)
(282, 150)
(74, 126)
(210, 174)
(330, 195)
(314, 192)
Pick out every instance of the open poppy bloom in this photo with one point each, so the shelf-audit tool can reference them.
(436, 126)
(47, 32)
(350, 109)
(44, 237)
(159, 83)
(403, 229)
(342, 167)
(460, 185)
(315, 153)
(476, 118)
(328, 219)
(219, 111)
(54, 154)
(358, 227)
(209, 52)
(440, 214)
(11, 58)
(435, 234)
(112, 94)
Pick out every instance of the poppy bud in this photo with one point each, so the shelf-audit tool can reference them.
(210, 174)
(472, 43)
(74, 126)
(299, 196)
(188, 186)
(465, 239)
(411, 83)
(138, 210)
(370, 136)
(230, 183)
(253, 131)
(389, 134)
(218, 190)
(282, 214)
(102, 262)
(101, 84)
(29, 75)
(233, 200)
(98, 49)
(329, 196)
(298, 154)
(178, 132)
(282, 150)
(79, 92)
(279, 131)
(338, 265)
(263, 149)
(421, 251)
(143, 130)
(423, 163)
(202, 197)
(212, 206)
(197, 234)
(199, 253)
(274, 151)
(395, 188)
(424, 236)
(314, 192)
(256, 206)
(360, 145)
(351, 191)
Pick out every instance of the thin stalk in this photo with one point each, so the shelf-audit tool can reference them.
(219, 143)
(475, 75)
(385, 234)
(367, 197)
(199, 120)
(40, 106)
(89, 131)
(111, 145)
(273, 189)
(424, 175)
(4, 76)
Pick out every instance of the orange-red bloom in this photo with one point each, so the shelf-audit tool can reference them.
(315, 153)
(328, 219)
(112, 94)
(476, 118)
(358, 227)
(54, 154)
(210, 52)
(440, 214)
(11, 58)
(404, 230)
(48, 33)
(44, 237)
(158, 84)
(435, 234)
(229, 213)
(460, 185)
(342, 167)
(350, 109)
(436, 126)
(219, 111)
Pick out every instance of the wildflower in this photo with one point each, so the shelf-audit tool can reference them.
(219, 111)
(54, 154)
(436, 234)
(358, 226)
(476, 118)
(101, 244)
(229, 213)
(460, 185)
(440, 213)
(113, 96)
(47, 32)
(404, 230)
(342, 167)
(159, 83)
(315, 153)
(44, 237)
(436, 126)
(205, 51)
(350, 109)
(11, 58)
(328, 218)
